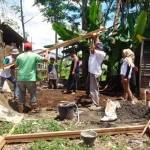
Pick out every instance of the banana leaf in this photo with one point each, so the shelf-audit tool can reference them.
(94, 15)
(131, 23)
(140, 24)
(63, 32)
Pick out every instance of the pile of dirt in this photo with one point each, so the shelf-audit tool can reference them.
(128, 111)
(51, 98)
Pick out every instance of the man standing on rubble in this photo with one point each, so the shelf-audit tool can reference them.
(96, 58)
(26, 76)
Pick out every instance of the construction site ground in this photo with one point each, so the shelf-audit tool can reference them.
(128, 114)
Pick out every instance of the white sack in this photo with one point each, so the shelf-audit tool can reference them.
(110, 110)
(9, 115)
(6, 87)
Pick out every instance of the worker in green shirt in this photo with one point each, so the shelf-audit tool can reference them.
(26, 76)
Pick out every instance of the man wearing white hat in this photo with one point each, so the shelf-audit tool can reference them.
(6, 73)
(96, 58)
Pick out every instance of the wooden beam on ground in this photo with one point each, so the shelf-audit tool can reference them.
(2, 142)
(22, 138)
(145, 128)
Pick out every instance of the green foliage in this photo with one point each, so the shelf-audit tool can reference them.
(59, 10)
(131, 22)
(5, 127)
(33, 126)
(118, 146)
(64, 69)
(105, 138)
(114, 44)
(140, 24)
(57, 144)
(63, 32)
(94, 15)
(24, 127)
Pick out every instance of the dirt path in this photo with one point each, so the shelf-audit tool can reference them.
(49, 99)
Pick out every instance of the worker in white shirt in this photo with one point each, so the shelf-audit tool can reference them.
(6, 74)
(127, 67)
(96, 58)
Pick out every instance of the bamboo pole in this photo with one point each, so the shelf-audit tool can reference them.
(145, 128)
(67, 43)
(71, 134)
(74, 40)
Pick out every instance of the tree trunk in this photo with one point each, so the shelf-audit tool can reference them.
(118, 5)
(84, 12)
(56, 48)
(22, 20)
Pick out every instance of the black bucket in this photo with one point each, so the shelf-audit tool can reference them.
(89, 137)
(66, 110)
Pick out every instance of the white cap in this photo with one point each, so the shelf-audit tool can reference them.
(15, 52)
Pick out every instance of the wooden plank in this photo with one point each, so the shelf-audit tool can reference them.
(2, 142)
(29, 140)
(146, 127)
(71, 134)
(74, 40)
(69, 42)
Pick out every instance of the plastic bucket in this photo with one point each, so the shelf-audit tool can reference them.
(66, 110)
(88, 137)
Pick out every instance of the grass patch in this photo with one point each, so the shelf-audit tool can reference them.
(118, 146)
(105, 138)
(42, 125)
(57, 144)
(5, 127)
(70, 125)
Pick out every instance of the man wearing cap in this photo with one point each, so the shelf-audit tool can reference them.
(96, 58)
(26, 76)
(52, 73)
(6, 73)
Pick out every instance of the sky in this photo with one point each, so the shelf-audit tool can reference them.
(40, 32)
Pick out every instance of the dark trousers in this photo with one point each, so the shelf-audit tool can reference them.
(87, 85)
(52, 84)
(72, 82)
(29, 86)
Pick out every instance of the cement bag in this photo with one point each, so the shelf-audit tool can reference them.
(9, 115)
(6, 87)
(110, 110)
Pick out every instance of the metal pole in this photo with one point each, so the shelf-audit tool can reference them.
(22, 20)
(56, 48)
